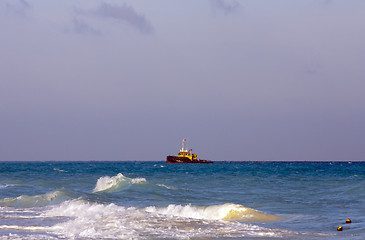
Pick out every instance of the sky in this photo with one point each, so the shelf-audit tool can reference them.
(127, 80)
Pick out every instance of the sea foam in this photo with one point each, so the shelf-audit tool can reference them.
(94, 221)
(228, 211)
(116, 183)
(168, 187)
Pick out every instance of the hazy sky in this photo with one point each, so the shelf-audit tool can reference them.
(127, 80)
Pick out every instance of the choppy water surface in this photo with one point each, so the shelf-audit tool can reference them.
(153, 200)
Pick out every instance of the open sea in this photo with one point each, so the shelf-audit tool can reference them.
(155, 200)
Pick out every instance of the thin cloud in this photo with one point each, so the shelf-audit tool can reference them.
(125, 13)
(225, 6)
(82, 27)
(19, 6)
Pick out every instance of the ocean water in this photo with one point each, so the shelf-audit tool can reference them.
(155, 200)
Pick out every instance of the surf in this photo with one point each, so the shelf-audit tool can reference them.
(227, 211)
(116, 183)
(49, 198)
(85, 219)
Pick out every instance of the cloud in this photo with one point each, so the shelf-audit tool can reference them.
(18, 6)
(125, 13)
(80, 27)
(225, 6)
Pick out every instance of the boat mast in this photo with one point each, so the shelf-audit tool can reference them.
(183, 144)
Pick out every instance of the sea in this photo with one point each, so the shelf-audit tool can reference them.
(155, 200)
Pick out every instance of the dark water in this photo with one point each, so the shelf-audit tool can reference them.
(153, 200)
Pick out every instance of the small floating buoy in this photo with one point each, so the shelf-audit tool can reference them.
(339, 228)
(348, 220)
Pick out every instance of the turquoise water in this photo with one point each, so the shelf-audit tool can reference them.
(153, 200)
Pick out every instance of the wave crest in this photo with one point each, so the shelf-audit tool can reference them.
(50, 198)
(116, 183)
(228, 211)
(89, 220)
(6, 185)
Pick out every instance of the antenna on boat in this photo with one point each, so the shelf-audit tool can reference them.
(183, 144)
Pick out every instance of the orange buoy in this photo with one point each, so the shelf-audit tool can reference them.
(348, 220)
(339, 228)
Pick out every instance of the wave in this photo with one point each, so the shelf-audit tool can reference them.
(116, 183)
(6, 185)
(82, 219)
(50, 198)
(168, 187)
(162, 166)
(59, 170)
(93, 220)
(228, 211)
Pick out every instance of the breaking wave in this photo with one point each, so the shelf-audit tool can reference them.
(228, 211)
(94, 221)
(116, 183)
(50, 198)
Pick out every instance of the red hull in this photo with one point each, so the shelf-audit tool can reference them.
(174, 159)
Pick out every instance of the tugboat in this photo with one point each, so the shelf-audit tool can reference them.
(185, 156)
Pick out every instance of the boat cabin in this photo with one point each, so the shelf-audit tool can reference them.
(185, 153)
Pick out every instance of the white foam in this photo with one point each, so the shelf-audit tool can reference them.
(14, 236)
(6, 185)
(168, 187)
(228, 211)
(159, 166)
(59, 170)
(96, 221)
(19, 227)
(91, 220)
(138, 180)
(116, 183)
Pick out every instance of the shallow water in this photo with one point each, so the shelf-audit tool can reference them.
(153, 200)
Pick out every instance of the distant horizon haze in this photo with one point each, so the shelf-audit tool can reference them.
(127, 80)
